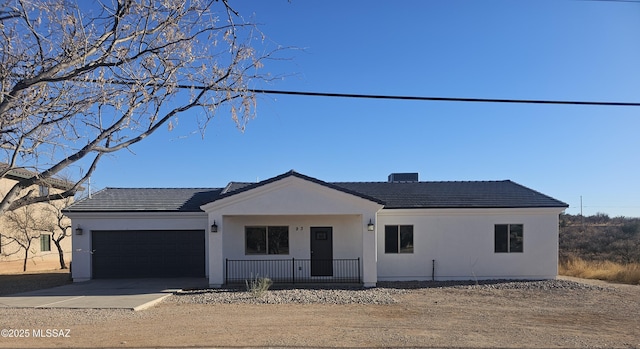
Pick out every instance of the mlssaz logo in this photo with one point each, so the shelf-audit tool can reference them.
(52, 333)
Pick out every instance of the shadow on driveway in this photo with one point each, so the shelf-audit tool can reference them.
(135, 294)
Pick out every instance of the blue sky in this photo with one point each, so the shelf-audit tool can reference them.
(551, 50)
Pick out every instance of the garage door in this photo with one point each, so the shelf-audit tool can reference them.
(148, 254)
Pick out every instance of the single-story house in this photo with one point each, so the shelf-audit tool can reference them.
(294, 228)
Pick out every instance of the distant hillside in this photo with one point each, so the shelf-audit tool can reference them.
(600, 238)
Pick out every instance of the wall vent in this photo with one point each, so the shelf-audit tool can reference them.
(403, 177)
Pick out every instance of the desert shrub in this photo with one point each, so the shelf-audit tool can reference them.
(628, 273)
(599, 238)
(257, 285)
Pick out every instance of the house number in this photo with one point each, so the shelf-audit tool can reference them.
(299, 228)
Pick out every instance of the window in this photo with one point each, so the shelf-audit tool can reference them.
(45, 242)
(266, 240)
(398, 239)
(43, 190)
(509, 238)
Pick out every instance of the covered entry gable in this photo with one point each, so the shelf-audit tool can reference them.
(306, 210)
(292, 193)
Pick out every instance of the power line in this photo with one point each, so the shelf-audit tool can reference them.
(445, 99)
(410, 98)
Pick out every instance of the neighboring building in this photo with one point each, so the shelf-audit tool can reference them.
(295, 228)
(43, 253)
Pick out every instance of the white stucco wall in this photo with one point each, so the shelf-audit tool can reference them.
(294, 202)
(461, 241)
(347, 235)
(81, 268)
(346, 238)
(292, 196)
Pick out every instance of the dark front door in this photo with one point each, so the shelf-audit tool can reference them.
(321, 251)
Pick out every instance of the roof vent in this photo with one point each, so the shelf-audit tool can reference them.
(403, 177)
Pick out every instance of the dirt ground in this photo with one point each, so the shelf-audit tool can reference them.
(32, 280)
(426, 317)
(34, 264)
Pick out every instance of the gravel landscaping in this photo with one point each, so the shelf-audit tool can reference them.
(289, 296)
(564, 313)
(385, 293)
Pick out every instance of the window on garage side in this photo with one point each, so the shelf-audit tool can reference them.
(508, 238)
(43, 190)
(45, 242)
(398, 239)
(267, 240)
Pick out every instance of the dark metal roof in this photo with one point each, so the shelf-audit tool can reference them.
(393, 195)
(233, 186)
(146, 199)
(474, 194)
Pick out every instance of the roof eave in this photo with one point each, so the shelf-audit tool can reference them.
(471, 207)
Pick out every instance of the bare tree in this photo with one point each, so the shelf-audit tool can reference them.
(79, 81)
(21, 227)
(58, 225)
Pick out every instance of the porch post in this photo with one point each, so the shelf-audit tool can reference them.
(369, 253)
(216, 255)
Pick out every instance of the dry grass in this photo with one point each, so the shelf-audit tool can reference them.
(601, 270)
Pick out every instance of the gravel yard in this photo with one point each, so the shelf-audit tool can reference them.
(385, 293)
(533, 314)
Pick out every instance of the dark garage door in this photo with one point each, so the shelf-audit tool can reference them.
(148, 254)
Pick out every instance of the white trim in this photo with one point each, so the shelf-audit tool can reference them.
(468, 211)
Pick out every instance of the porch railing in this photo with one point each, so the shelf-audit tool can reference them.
(294, 270)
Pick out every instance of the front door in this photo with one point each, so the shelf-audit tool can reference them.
(321, 251)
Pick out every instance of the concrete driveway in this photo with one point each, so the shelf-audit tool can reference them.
(135, 294)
